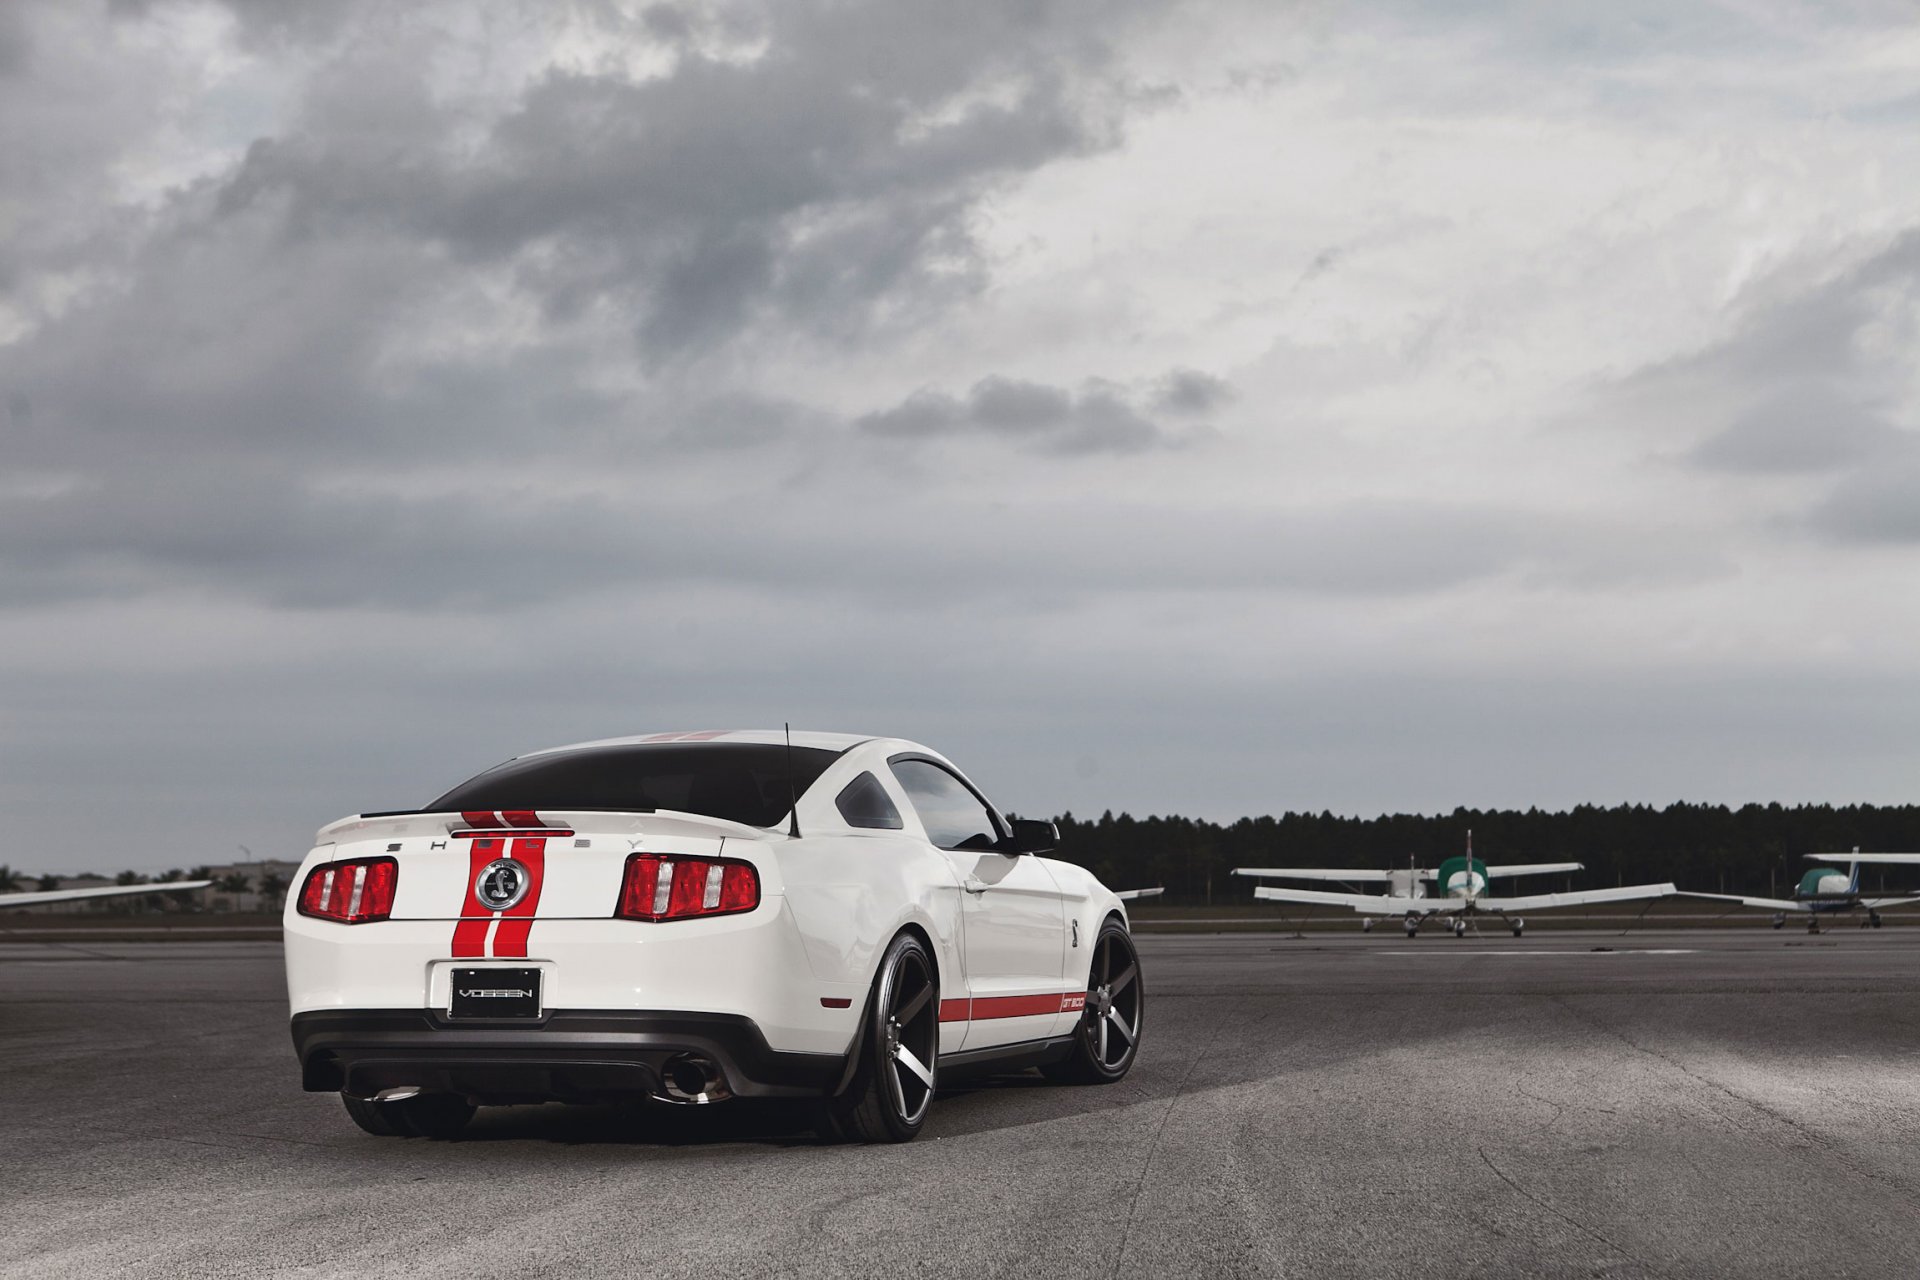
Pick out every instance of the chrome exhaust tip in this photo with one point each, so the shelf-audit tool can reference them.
(691, 1080)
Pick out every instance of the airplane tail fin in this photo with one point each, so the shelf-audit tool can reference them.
(1853, 872)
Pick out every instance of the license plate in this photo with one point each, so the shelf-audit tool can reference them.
(495, 993)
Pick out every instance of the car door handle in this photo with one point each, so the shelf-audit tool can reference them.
(974, 886)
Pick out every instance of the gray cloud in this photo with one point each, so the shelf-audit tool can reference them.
(831, 176)
(1881, 505)
(239, 534)
(1191, 392)
(1101, 418)
(1813, 382)
(1809, 327)
(1806, 429)
(278, 307)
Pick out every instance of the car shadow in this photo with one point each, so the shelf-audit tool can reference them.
(648, 1124)
(1265, 1047)
(741, 1120)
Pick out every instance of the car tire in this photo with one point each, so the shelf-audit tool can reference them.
(1106, 1040)
(892, 1087)
(425, 1115)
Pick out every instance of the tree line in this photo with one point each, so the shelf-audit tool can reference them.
(1711, 848)
(1708, 848)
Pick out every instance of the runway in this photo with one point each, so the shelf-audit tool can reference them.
(1677, 1103)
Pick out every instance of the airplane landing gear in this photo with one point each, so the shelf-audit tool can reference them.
(1413, 927)
(1873, 918)
(1518, 926)
(1779, 919)
(1366, 924)
(1813, 924)
(1459, 928)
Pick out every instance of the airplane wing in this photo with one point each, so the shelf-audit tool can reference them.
(1578, 898)
(1533, 868)
(1370, 904)
(1885, 859)
(1126, 894)
(1315, 873)
(1763, 904)
(36, 897)
(1881, 904)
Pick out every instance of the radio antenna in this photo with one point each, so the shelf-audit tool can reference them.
(793, 793)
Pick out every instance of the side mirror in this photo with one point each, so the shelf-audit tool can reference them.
(1030, 835)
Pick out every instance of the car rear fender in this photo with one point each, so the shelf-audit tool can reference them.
(852, 895)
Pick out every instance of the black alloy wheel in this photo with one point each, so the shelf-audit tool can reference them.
(892, 1089)
(1107, 1038)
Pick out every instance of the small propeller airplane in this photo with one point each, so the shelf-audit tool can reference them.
(36, 897)
(1830, 891)
(1460, 884)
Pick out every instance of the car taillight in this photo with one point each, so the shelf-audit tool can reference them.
(354, 892)
(665, 887)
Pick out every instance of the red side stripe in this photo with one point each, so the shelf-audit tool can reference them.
(1015, 1006)
(470, 933)
(1010, 1006)
(985, 1008)
(516, 924)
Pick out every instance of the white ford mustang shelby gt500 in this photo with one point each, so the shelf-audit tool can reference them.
(691, 917)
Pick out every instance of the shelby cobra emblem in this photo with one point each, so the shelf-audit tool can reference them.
(501, 884)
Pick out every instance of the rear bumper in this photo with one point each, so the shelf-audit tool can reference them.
(566, 1055)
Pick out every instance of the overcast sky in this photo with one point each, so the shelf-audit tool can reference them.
(1200, 408)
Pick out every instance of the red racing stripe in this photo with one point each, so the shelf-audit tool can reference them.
(479, 818)
(516, 923)
(520, 818)
(470, 932)
(954, 1010)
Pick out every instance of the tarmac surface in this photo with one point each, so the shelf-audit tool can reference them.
(1706, 1103)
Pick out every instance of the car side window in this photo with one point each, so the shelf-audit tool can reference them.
(953, 816)
(864, 803)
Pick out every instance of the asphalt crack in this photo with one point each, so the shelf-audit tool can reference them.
(1812, 1137)
(1571, 1221)
(1153, 1147)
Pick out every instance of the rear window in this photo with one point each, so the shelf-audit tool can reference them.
(738, 781)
